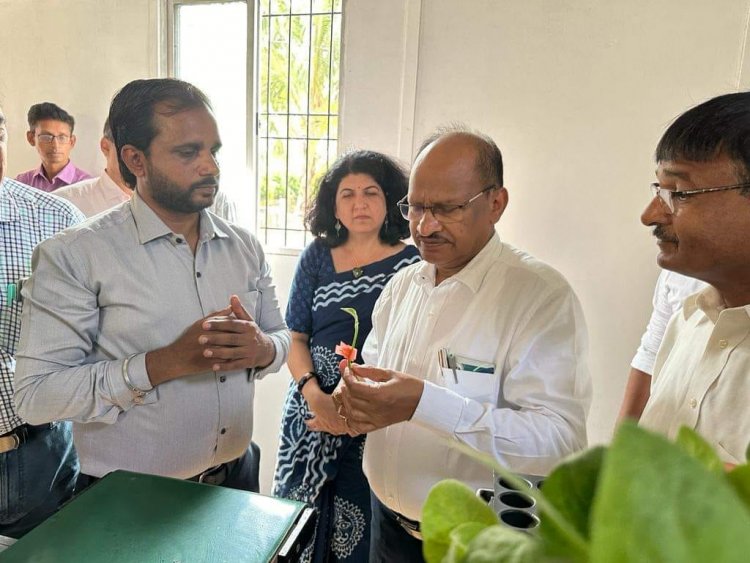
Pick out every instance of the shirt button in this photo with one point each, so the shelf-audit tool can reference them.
(723, 343)
(223, 378)
(178, 240)
(197, 274)
(693, 403)
(223, 430)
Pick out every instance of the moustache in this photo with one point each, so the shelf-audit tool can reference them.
(434, 237)
(207, 183)
(661, 235)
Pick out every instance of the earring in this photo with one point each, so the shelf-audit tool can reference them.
(337, 226)
(386, 222)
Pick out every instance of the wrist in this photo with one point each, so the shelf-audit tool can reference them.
(160, 366)
(269, 352)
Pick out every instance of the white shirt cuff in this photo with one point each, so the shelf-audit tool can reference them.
(439, 409)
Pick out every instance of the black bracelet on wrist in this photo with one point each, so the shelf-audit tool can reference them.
(304, 379)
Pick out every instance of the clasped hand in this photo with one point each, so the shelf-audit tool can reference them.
(225, 340)
(233, 341)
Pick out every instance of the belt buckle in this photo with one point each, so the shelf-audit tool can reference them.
(16, 442)
(218, 471)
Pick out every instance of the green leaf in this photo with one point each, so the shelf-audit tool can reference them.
(692, 443)
(739, 478)
(449, 504)
(459, 540)
(570, 488)
(498, 543)
(655, 502)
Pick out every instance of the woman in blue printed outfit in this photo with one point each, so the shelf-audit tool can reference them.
(357, 249)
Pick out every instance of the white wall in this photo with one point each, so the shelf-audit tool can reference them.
(76, 54)
(576, 93)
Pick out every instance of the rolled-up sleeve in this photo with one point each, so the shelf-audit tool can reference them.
(59, 326)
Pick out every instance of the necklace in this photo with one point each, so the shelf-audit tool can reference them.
(357, 271)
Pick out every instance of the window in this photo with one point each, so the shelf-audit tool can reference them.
(210, 50)
(299, 47)
(295, 55)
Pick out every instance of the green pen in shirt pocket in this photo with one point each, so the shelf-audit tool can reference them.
(476, 366)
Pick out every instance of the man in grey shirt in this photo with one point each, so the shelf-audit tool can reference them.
(147, 326)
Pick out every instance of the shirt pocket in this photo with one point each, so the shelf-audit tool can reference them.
(479, 386)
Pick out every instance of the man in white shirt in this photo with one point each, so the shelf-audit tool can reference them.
(670, 293)
(100, 194)
(480, 344)
(701, 218)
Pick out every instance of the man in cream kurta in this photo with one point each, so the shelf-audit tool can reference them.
(701, 218)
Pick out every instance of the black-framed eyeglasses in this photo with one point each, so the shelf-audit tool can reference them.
(668, 196)
(441, 212)
(47, 138)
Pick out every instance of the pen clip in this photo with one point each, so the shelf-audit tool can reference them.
(452, 364)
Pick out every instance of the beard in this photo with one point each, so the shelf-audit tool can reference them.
(176, 198)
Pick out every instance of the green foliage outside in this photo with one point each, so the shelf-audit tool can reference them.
(298, 68)
(641, 499)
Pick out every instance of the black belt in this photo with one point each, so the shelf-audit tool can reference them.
(410, 526)
(18, 436)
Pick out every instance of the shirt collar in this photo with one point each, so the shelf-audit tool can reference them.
(67, 174)
(150, 226)
(709, 301)
(472, 275)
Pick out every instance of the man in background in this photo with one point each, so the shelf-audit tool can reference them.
(38, 464)
(51, 133)
(671, 290)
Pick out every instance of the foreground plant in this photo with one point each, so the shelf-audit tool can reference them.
(641, 499)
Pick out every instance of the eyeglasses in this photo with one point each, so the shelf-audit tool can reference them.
(47, 138)
(668, 196)
(443, 213)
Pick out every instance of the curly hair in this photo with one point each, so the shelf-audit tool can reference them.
(390, 176)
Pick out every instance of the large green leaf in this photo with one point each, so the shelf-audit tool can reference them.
(691, 442)
(449, 504)
(657, 503)
(570, 488)
(500, 544)
(459, 540)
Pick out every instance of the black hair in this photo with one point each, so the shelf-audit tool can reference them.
(131, 114)
(489, 162)
(48, 110)
(719, 126)
(389, 175)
